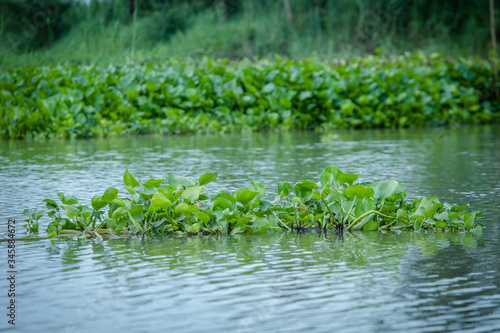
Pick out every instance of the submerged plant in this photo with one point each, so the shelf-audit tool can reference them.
(175, 204)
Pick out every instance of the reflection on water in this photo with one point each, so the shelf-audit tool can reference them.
(365, 282)
(392, 281)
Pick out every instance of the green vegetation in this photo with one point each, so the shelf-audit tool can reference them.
(175, 204)
(53, 31)
(111, 70)
(219, 95)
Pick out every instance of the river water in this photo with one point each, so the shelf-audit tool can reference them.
(363, 282)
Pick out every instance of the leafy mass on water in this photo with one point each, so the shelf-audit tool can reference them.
(211, 95)
(175, 204)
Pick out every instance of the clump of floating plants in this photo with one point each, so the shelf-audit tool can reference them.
(175, 204)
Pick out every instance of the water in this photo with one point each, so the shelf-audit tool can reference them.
(365, 282)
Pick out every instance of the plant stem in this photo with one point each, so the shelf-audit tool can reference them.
(277, 218)
(134, 222)
(388, 225)
(353, 224)
(296, 217)
(327, 207)
(352, 207)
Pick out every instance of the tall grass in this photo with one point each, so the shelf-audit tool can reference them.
(103, 32)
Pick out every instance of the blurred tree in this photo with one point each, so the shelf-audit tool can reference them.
(132, 7)
(264, 25)
(33, 24)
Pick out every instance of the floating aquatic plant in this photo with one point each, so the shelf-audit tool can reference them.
(175, 204)
(220, 95)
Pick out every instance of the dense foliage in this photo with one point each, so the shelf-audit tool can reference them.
(257, 27)
(219, 95)
(178, 204)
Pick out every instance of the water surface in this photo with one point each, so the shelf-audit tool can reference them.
(365, 282)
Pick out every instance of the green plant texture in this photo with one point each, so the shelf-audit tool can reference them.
(175, 204)
(220, 95)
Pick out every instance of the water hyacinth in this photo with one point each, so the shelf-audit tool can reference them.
(221, 95)
(175, 204)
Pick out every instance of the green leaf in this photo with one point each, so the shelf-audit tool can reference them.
(469, 220)
(307, 184)
(478, 229)
(444, 216)
(194, 228)
(110, 194)
(181, 209)
(67, 200)
(261, 225)
(51, 204)
(304, 95)
(264, 205)
(111, 223)
(259, 188)
(121, 203)
(130, 189)
(38, 214)
(151, 86)
(402, 215)
(284, 189)
(441, 224)
(336, 195)
(176, 181)
(428, 207)
(386, 189)
(204, 217)
(347, 107)
(207, 178)
(34, 214)
(153, 183)
(153, 209)
(319, 195)
(358, 191)
(372, 225)
(244, 196)
(118, 213)
(161, 200)
(304, 188)
(330, 176)
(268, 88)
(172, 194)
(137, 213)
(130, 180)
(302, 208)
(457, 208)
(228, 197)
(364, 205)
(192, 193)
(28, 212)
(70, 211)
(185, 209)
(98, 203)
(347, 178)
(222, 204)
